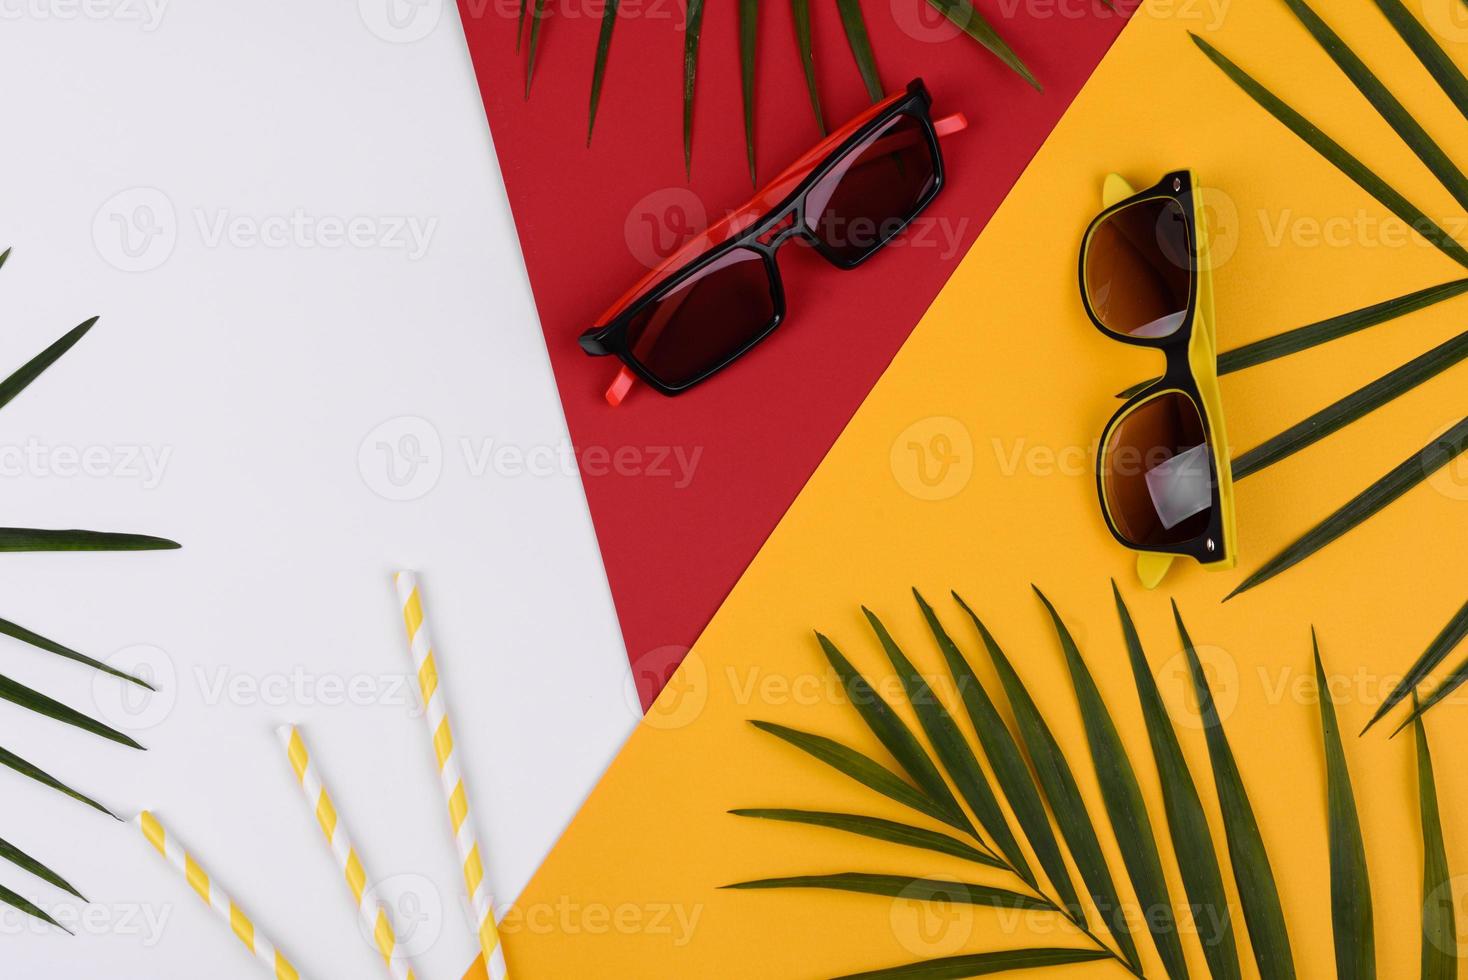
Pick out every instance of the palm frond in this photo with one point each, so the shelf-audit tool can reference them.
(1353, 407)
(1258, 893)
(29, 908)
(864, 770)
(1365, 505)
(38, 539)
(877, 829)
(1449, 637)
(894, 734)
(1337, 155)
(599, 68)
(1186, 821)
(1437, 62)
(800, 13)
(1009, 765)
(854, 23)
(1439, 928)
(8, 628)
(1066, 802)
(962, 14)
(18, 694)
(12, 761)
(1350, 888)
(21, 859)
(32, 369)
(748, 40)
(1122, 797)
(692, 30)
(537, 18)
(1386, 104)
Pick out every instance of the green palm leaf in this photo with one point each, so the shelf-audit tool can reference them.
(599, 69)
(692, 29)
(1355, 406)
(748, 39)
(1433, 57)
(1450, 684)
(979, 964)
(21, 859)
(537, 17)
(37, 539)
(972, 23)
(4, 256)
(1395, 114)
(1452, 634)
(1350, 888)
(1123, 799)
(953, 751)
(29, 908)
(520, 25)
(855, 26)
(1373, 499)
(32, 369)
(12, 761)
(1186, 821)
(1336, 155)
(800, 12)
(1323, 331)
(8, 628)
(1066, 803)
(894, 734)
(1439, 928)
(870, 774)
(17, 693)
(1004, 755)
(900, 886)
(878, 829)
(1250, 862)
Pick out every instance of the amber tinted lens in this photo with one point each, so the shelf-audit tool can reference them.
(873, 190)
(1157, 471)
(707, 319)
(1139, 269)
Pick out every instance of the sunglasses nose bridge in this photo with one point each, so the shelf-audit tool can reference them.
(789, 227)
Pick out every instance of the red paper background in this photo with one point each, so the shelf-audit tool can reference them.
(675, 546)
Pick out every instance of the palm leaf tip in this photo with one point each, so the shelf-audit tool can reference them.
(1352, 921)
(599, 69)
(4, 257)
(44, 539)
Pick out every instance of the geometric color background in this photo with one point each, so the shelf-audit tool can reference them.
(1006, 366)
(683, 491)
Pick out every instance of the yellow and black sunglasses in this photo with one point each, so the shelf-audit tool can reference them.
(1163, 469)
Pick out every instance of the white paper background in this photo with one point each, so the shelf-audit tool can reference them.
(234, 188)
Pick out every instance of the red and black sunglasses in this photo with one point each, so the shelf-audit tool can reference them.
(720, 294)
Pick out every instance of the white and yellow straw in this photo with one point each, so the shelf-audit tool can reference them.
(373, 914)
(214, 896)
(434, 713)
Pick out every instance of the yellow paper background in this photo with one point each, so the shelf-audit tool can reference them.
(1006, 366)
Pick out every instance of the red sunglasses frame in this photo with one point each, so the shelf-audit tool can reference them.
(778, 197)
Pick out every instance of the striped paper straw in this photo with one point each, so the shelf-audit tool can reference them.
(421, 645)
(270, 957)
(373, 914)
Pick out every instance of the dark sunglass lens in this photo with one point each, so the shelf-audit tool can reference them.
(1138, 269)
(705, 320)
(873, 190)
(1157, 471)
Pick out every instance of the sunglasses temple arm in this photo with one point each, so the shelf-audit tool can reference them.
(625, 380)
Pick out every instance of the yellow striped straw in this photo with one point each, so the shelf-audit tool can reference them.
(434, 713)
(373, 914)
(270, 957)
